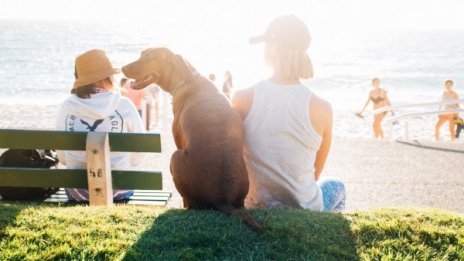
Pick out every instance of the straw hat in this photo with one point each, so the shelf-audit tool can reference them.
(91, 67)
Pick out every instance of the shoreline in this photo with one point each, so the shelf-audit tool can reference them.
(377, 173)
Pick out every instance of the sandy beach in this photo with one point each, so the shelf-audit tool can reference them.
(377, 173)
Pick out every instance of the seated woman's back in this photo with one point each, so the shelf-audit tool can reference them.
(94, 106)
(288, 129)
(282, 144)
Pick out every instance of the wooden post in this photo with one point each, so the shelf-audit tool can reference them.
(99, 169)
(406, 130)
(144, 113)
(167, 109)
(390, 131)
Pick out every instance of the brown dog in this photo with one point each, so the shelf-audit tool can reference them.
(208, 167)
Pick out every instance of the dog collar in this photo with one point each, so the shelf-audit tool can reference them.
(181, 83)
(177, 87)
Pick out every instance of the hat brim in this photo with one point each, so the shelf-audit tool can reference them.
(258, 39)
(97, 76)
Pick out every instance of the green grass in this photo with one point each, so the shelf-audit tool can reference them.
(43, 232)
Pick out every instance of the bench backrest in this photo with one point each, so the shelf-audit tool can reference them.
(97, 147)
(63, 140)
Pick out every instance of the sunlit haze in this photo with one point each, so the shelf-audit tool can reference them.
(213, 35)
(356, 14)
(213, 24)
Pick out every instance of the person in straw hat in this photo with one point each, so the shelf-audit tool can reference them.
(94, 105)
(287, 127)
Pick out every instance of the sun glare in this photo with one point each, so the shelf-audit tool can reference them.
(214, 35)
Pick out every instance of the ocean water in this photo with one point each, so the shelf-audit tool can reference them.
(37, 63)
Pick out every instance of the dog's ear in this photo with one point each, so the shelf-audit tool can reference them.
(184, 68)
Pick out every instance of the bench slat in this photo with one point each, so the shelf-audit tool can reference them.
(158, 192)
(151, 198)
(137, 179)
(142, 193)
(146, 203)
(135, 142)
(34, 177)
(135, 197)
(76, 178)
(130, 202)
(63, 140)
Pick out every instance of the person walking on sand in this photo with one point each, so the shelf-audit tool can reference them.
(379, 98)
(212, 78)
(152, 99)
(448, 95)
(228, 85)
(94, 105)
(288, 129)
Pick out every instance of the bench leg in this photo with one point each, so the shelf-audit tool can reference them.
(99, 169)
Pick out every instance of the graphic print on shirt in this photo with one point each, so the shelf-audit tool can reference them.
(94, 126)
(111, 123)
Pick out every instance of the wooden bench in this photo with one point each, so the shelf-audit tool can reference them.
(98, 178)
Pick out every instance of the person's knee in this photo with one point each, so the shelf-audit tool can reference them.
(334, 184)
(334, 193)
(340, 187)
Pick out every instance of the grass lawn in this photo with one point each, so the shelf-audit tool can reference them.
(42, 232)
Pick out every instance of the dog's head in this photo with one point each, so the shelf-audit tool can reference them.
(160, 66)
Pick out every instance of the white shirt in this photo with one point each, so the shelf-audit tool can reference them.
(103, 112)
(281, 147)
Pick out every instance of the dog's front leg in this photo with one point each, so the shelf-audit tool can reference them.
(178, 135)
(181, 177)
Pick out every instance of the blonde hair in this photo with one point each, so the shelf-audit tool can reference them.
(291, 63)
(449, 81)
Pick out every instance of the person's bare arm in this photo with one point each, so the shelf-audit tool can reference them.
(321, 119)
(242, 101)
(387, 100)
(365, 104)
(443, 98)
(456, 97)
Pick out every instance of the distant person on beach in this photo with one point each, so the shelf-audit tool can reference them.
(228, 85)
(448, 95)
(134, 95)
(212, 77)
(459, 122)
(152, 98)
(379, 98)
(288, 129)
(94, 105)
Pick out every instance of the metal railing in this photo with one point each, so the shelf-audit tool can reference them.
(390, 121)
(391, 108)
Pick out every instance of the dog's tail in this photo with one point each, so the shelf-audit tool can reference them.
(247, 218)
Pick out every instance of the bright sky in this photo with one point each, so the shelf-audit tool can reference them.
(392, 14)
(204, 30)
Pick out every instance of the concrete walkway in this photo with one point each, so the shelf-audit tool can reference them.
(381, 173)
(377, 173)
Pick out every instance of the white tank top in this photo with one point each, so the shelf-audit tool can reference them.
(281, 146)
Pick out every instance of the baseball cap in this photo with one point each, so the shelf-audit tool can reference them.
(288, 31)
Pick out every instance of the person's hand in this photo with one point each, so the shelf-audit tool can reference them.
(359, 114)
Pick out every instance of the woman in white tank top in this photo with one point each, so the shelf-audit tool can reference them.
(288, 129)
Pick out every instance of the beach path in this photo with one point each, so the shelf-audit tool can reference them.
(377, 173)
(382, 173)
